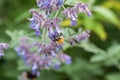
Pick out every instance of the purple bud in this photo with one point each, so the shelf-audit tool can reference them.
(37, 31)
(72, 42)
(68, 59)
(73, 22)
(53, 53)
(18, 50)
(72, 14)
(65, 58)
(60, 2)
(85, 8)
(34, 67)
(83, 35)
(57, 66)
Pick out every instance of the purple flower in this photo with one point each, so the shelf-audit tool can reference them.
(83, 8)
(65, 58)
(83, 35)
(53, 23)
(73, 22)
(50, 49)
(49, 54)
(37, 31)
(72, 41)
(47, 57)
(78, 38)
(57, 66)
(34, 25)
(49, 5)
(37, 21)
(60, 2)
(23, 49)
(3, 46)
(72, 14)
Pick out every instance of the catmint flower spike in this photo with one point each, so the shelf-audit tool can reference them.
(3, 46)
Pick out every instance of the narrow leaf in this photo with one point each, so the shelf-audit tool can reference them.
(107, 14)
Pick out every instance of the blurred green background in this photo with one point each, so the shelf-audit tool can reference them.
(95, 59)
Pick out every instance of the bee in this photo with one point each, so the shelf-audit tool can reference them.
(57, 36)
(29, 75)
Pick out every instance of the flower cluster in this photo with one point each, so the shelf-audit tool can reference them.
(49, 5)
(50, 54)
(39, 21)
(72, 12)
(78, 38)
(2, 47)
(45, 57)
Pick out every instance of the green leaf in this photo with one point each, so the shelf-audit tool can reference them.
(22, 16)
(93, 25)
(107, 14)
(71, 31)
(98, 58)
(66, 23)
(71, 1)
(114, 49)
(75, 1)
(113, 76)
(99, 30)
(0, 22)
(87, 46)
(65, 32)
(22, 66)
(89, 22)
(17, 35)
(66, 45)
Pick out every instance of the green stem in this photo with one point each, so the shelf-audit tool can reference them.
(44, 35)
(45, 30)
(63, 7)
(58, 12)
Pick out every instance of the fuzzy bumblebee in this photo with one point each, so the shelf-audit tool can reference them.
(57, 37)
(29, 75)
